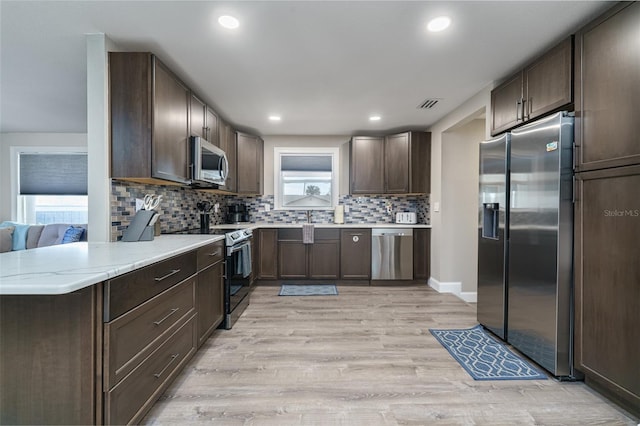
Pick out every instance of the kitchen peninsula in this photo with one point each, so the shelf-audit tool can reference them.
(75, 319)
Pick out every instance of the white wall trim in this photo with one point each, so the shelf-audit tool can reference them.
(334, 152)
(454, 288)
(469, 296)
(99, 185)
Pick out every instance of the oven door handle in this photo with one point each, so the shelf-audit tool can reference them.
(235, 249)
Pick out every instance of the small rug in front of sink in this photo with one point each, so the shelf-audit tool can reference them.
(484, 357)
(308, 290)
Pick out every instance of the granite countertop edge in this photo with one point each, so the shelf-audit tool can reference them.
(66, 268)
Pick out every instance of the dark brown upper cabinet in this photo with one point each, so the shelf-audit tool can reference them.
(249, 158)
(607, 90)
(543, 86)
(149, 120)
(211, 131)
(197, 117)
(395, 164)
(227, 139)
(366, 165)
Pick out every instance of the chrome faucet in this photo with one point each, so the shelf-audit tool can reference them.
(308, 216)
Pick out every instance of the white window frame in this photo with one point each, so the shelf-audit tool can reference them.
(334, 152)
(17, 208)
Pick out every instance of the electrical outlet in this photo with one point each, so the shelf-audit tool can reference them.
(139, 204)
(216, 207)
(346, 208)
(267, 207)
(436, 206)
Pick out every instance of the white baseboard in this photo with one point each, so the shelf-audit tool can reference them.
(454, 288)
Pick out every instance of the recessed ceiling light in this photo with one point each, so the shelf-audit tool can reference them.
(375, 118)
(275, 118)
(228, 22)
(439, 24)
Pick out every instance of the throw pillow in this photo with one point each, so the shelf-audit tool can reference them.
(19, 234)
(72, 235)
(6, 239)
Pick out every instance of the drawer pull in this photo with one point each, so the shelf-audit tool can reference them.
(217, 253)
(173, 358)
(175, 271)
(173, 311)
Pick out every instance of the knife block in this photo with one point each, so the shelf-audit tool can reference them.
(138, 229)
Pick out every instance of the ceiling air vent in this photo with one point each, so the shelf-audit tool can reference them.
(429, 103)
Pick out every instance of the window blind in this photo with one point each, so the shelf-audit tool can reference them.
(305, 163)
(53, 174)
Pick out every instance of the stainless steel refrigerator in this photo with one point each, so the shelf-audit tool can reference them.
(537, 291)
(492, 239)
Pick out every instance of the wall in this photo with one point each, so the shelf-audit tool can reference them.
(8, 140)
(459, 203)
(444, 276)
(306, 142)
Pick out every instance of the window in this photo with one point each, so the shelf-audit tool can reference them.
(306, 178)
(51, 186)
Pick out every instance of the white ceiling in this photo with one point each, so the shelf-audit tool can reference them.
(323, 66)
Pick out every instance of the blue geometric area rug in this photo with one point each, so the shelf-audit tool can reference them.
(485, 358)
(308, 290)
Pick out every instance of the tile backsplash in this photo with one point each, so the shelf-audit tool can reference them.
(362, 209)
(178, 209)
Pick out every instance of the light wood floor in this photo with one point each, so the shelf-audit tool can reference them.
(365, 357)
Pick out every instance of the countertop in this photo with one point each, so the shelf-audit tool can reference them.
(65, 268)
(319, 225)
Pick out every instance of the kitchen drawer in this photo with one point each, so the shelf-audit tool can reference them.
(210, 254)
(295, 234)
(130, 290)
(290, 234)
(131, 337)
(130, 399)
(326, 234)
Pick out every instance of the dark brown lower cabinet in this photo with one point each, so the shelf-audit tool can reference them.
(292, 259)
(421, 253)
(355, 254)
(607, 282)
(48, 358)
(210, 300)
(268, 251)
(320, 260)
(209, 289)
(324, 259)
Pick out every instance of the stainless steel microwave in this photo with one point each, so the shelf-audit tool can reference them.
(209, 164)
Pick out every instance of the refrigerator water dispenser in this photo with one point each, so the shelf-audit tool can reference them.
(490, 220)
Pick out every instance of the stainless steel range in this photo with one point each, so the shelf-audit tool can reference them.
(237, 274)
(237, 270)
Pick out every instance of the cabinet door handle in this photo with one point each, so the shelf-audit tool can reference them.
(173, 272)
(518, 106)
(527, 109)
(160, 321)
(215, 253)
(173, 358)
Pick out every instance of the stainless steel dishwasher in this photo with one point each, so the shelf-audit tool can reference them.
(391, 254)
